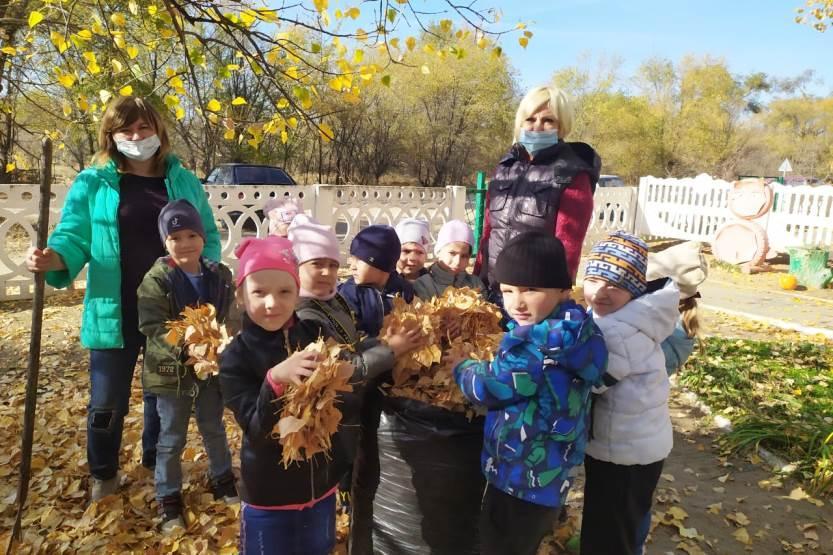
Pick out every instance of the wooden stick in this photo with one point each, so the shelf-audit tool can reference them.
(34, 347)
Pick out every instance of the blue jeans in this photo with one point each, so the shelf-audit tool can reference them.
(309, 531)
(174, 415)
(111, 376)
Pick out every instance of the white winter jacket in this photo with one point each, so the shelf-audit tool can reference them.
(631, 421)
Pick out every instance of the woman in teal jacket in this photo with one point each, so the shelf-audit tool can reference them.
(109, 223)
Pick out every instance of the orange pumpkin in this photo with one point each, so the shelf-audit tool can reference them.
(788, 282)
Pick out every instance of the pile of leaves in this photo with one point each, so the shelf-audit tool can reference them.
(309, 416)
(427, 375)
(202, 338)
(778, 395)
(405, 317)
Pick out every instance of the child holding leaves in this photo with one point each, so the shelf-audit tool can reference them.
(285, 510)
(183, 278)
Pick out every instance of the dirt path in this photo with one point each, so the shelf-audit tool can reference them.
(723, 496)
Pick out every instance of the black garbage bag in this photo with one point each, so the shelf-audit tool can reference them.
(431, 485)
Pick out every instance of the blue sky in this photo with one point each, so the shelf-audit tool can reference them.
(751, 36)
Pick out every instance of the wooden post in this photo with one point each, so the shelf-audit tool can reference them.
(34, 347)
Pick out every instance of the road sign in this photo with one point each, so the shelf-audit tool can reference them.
(785, 166)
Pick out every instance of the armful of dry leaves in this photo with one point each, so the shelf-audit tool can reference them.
(202, 338)
(427, 374)
(309, 416)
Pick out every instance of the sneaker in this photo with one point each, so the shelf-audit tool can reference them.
(170, 507)
(100, 489)
(224, 488)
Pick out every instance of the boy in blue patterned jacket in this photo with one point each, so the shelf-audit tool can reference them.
(537, 392)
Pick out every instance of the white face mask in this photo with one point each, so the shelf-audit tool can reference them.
(139, 150)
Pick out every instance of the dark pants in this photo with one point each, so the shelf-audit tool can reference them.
(617, 499)
(512, 526)
(310, 531)
(111, 376)
(366, 474)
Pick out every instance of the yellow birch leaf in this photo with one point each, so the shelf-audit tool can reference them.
(98, 28)
(180, 113)
(238, 101)
(133, 7)
(93, 68)
(410, 42)
(425, 70)
(105, 96)
(10, 50)
(171, 100)
(445, 25)
(59, 41)
(292, 122)
(742, 536)
(358, 56)
(126, 90)
(35, 17)
(118, 19)
(320, 5)
(229, 135)
(291, 72)
(118, 38)
(282, 103)
(247, 18)
(386, 80)
(66, 80)
(132, 52)
(326, 132)
(394, 42)
(523, 41)
(83, 105)
(284, 136)
(85, 34)
(353, 13)
(214, 105)
(10, 167)
(212, 117)
(117, 65)
(152, 10)
(169, 72)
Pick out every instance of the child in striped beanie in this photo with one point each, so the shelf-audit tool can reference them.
(631, 434)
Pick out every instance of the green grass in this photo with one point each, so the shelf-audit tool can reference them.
(778, 395)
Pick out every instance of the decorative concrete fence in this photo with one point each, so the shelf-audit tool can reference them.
(691, 208)
(694, 208)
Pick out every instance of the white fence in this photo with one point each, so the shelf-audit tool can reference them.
(692, 208)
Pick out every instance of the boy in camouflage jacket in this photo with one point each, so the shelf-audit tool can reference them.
(184, 278)
(537, 392)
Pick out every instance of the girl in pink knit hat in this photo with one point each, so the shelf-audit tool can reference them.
(285, 510)
(317, 250)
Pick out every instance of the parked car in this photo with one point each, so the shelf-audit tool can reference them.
(610, 181)
(247, 174)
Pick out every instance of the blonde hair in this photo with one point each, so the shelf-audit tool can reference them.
(124, 111)
(551, 97)
(688, 316)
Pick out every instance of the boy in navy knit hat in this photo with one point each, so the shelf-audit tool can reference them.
(537, 392)
(375, 251)
(631, 434)
(183, 278)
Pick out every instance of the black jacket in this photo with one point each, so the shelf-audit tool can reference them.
(250, 397)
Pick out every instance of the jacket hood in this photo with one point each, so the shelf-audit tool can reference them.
(654, 314)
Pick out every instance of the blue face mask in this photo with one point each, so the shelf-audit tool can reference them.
(533, 141)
